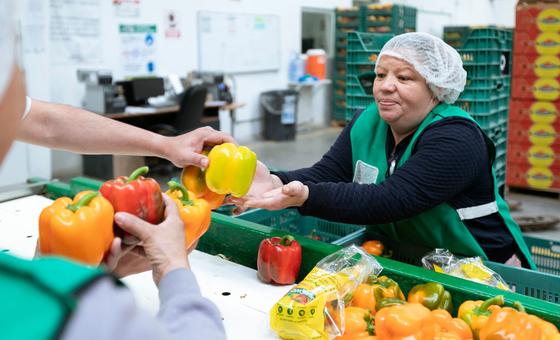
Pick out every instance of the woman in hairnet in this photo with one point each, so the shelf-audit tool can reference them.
(412, 166)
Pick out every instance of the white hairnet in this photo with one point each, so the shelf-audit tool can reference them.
(7, 43)
(437, 62)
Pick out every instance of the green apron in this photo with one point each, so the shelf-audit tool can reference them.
(438, 227)
(38, 296)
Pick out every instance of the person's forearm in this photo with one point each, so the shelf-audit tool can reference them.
(72, 129)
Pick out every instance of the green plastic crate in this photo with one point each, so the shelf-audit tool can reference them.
(395, 19)
(83, 183)
(348, 18)
(482, 107)
(238, 240)
(363, 49)
(546, 254)
(540, 285)
(289, 220)
(478, 37)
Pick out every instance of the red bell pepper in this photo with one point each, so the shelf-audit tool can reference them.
(135, 195)
(279, 260)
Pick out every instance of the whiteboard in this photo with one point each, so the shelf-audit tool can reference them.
(235, 43)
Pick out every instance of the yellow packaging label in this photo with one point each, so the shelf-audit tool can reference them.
(542, 134)
(543, 112)
(547, 66)
(546, 89)
(438, 269)
(548, 43)
(548, 20)
(540, 177)
(541, 156)
(300, 313)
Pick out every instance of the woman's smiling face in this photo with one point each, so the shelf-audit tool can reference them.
(402, 95)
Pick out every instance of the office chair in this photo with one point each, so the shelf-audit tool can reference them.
(188, 118)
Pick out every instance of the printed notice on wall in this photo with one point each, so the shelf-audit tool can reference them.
(127, 8)
(75, 31)
(34, 27)
(138, 49)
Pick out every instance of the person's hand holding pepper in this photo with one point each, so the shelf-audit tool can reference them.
(163, 244)
(185, 149)
(293, 194)
(263, 182)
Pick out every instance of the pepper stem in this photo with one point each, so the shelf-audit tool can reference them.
(138, 172)
(287, 240)
(173, 186)
(517, 305)
(84, 201)
(496, 300)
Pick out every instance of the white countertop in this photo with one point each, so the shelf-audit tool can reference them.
(244, 309)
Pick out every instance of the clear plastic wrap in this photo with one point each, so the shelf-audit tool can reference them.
(470, 268)
(307, 310)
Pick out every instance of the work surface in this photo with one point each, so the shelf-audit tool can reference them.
(243, 301)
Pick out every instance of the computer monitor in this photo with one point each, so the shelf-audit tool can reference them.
(138, 90)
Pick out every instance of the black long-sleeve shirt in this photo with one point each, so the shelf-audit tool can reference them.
(449, 163)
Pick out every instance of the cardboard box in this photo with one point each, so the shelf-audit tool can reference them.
(538, 17)
(530, 112)
(534, 155)
(544, 89)
(540, 43)
(535, 134)
(532, 177)
(532, 65)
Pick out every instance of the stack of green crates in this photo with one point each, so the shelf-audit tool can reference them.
(388, 18)
(363, 50)
(347, 20)
(486, 54)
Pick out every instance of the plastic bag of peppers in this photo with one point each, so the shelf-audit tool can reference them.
(357, 304)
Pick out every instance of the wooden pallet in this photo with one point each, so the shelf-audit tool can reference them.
(551, 193)
(338, 123)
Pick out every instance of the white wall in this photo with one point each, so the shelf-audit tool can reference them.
(58, 82)
(434, 14)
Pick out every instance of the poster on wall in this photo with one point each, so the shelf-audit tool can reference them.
(34, 27)
(126, 8)
(138, 49)
(172, 25)
(75, 34)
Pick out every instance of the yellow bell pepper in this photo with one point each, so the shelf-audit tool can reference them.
(476, 313)
(195, 213)
(79, 229)
(231, 169)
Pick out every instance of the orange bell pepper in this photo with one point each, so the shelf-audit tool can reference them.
(357, 336)
(368, 294)
(357, 322)
(548, 330)
(449, 327)
(80, 229)
(193, 178)
(476, 313)
(508, 324)
(373, 247)
(195, 213)
(412, 321)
